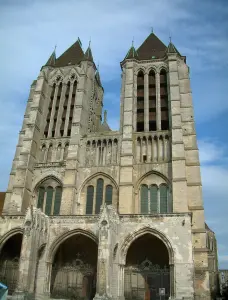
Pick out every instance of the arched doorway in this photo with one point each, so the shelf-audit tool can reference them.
(147, 273)
(74, 269)
(9, 262)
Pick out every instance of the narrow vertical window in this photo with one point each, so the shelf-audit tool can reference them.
(42, 153)
(58, 153)
(144, 199)
(99, 195)
(164, 101)
(140, 101)
(49, 111)
(152, 101)
(163, 199)
(49, 154)
(40, 202)
(57, 203)
(153, 199)
(49, 200)
(108, 195)
(65, 151)
(56, 109)
(89, 200)
(73, 98)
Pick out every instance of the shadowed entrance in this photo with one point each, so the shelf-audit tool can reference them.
(9, 262)
(74, 269)
(147, 274)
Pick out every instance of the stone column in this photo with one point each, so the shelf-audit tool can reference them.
(146, 102)
(158, 101)
(126, 195)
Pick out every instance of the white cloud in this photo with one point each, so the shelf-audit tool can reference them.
(211, 151)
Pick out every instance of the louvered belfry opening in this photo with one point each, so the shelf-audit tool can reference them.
(164, 100)
(60, 110)
(9, 262)
(152, 101)
(140, 101)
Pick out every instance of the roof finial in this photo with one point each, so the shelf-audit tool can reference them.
(89, 42)
(152, 29)
(170, 37)
(55, 47)
(98, 67)
(132, 44)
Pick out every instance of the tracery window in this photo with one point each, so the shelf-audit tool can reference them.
(154, 199)
(98, 194)
(49, 198)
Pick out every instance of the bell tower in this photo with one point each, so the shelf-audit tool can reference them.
(158, 135)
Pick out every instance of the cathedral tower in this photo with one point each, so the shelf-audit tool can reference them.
(96, 213)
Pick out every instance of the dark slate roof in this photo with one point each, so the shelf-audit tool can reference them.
(132, 53)
(72, 56)
(51, 60)
(152, 46)
(88, 54)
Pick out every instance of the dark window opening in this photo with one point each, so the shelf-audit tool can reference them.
(144, 158)
(140, 126)
(152, 126)
(68, 132)
(53, 133)
(165, 125)
(61, 132)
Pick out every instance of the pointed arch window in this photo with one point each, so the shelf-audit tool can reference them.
(99, 195)
(41, 194)
(163, 198)
(49, 199)
(140, 101)
(144, 199)
(65, 151)
(108, 195)
(42, 153)
(57, 203)
(89, 200)
(152, 101)
(58, 152)
(164, 100)
(153, 199)
(49, 154)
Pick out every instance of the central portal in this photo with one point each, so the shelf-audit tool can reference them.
(147, 274)
(74, 269)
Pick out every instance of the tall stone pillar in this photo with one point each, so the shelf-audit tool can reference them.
(126, 204)
(107, 236)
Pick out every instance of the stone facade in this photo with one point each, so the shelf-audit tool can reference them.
(73, 178)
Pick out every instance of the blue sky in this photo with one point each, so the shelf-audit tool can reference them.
(29, 30)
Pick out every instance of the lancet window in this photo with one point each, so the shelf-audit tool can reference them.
(61, 108)
(164, 100)
(98, 192)
(154, 199)
(49, 197)
(140, 101)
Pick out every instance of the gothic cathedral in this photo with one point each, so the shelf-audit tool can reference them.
(92, 213)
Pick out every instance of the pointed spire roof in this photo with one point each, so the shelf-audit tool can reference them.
(132, 53)
(51, 60)
(152, 47)
(88, 54)
(72, 56)
(104, 125)
(172, 49)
